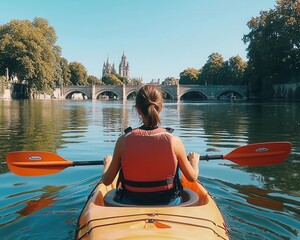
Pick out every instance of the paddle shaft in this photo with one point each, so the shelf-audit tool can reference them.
(101, 162)
(89, 163)
(211, 157)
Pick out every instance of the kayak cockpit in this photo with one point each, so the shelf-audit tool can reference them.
(194, 194)
(198, 216)
(190, 198)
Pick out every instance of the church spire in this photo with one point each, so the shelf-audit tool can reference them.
(124, 70)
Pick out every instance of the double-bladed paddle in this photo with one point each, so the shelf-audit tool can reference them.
(37, 163)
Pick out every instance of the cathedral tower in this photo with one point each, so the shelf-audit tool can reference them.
(108, 68)
(124, 70)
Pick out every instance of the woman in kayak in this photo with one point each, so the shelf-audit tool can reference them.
(149, 157)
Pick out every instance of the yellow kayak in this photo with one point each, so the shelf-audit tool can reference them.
(198, 217)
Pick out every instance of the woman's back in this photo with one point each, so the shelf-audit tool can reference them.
(150, 156)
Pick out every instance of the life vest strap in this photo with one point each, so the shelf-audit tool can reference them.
(149, 184)
(129, 129)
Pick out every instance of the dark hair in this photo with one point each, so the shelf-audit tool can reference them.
(149, 101)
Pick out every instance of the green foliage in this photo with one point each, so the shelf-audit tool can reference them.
(28, 50)
(78, 74)
(92, 80)
(170, 81)
(216, 71)
(65, 72)
(213, 71)
(274, 47)
(124, 80)
(189, 76)
(235, 70)
(135, 82)
(111, 79)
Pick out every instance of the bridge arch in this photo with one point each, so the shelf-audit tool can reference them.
(106, 94)
(72, 94)
(229, 95)
(131, 94)
(167, 95)
(193, 95)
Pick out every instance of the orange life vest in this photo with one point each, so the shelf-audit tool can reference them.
(149, 163)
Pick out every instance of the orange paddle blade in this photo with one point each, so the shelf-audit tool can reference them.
(260, 154)
(35, 163)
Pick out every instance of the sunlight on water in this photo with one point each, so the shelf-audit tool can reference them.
(257, 202)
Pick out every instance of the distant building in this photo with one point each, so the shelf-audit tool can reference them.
(155, 82)
(124, 69)
(108, 68)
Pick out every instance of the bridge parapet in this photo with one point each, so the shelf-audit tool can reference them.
(209, 92)
(212, 92)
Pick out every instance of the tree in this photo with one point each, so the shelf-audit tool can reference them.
(47, 31)
(213, 70)
(274, 47)
(124, 80)
(28, 50)
(170, 81)
(234, 71)
(189, 76)
(66, 72)
(78, 73)
(93, 80)
(136, 81)
(111, 79)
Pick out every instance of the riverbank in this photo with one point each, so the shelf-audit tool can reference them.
(19, 91)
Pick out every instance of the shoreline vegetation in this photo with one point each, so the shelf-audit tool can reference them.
(30, 56)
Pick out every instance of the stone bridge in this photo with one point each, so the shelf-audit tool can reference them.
(174, 92)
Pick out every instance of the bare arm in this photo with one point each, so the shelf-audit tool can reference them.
(188, 166)
(112, 164)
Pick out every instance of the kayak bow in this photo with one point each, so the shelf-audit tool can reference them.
(198, 216)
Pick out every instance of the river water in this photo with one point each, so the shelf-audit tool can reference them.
(257, 202)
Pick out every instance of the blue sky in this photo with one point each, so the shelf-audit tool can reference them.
(161, 38)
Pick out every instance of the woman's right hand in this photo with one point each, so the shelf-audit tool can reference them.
(194, 158)
(107, 160)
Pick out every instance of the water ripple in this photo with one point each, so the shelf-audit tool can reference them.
(264, 215)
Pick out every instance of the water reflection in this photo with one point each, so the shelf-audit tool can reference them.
(258, 213)
(34, 200)
(222, 125)
(217, 127)
(251, 198)
(46, 199)
(39, 125)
